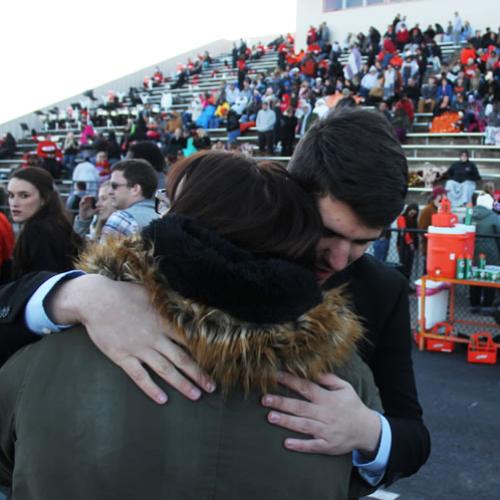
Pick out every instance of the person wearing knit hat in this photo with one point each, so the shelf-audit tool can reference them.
(425, 217)
(487, 222)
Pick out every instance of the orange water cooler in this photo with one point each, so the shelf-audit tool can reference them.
(448, 241)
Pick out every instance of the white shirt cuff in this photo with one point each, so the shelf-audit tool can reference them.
(373, 472)
(35, 316)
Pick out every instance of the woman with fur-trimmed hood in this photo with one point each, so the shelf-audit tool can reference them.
(228, 268)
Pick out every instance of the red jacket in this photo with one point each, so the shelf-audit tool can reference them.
(466, 54)
(408, 107)
(6, 239)
(47, 147)
(401, 223)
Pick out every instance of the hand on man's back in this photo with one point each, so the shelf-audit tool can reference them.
(333, 415)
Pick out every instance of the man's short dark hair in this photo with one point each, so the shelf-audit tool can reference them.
(150, 152)
(138, 172)
(354, 156)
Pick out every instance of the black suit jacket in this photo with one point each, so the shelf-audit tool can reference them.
(14, 333)
(380, 297)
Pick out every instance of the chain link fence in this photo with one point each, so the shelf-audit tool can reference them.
(468, 306)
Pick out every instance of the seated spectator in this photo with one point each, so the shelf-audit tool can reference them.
(444, 95)
(392, 83)
(429, 33)
(368, 82)
(409, 69)
(304, 115)
(468, 52)
(70, 150)
(434, 56)
(462, 176)
(51, 164)
(401, 124)
(407, 105)
(80, 191)
(87, 134)
(93, 214)
(412, 90)
(384, 109)
(476, 40)
(492, 135)
(48, 148)
(487, 222)
(87, 172)
(232, 126)
(149, 151)
(8, 146)
(473, 119)
(133, 186)
(112, 147)
(459, 104)
(103, 166)
(176, 143)
(467, 32)
(202, 141)
(232, 93)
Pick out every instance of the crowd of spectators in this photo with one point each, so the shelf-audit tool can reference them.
(400, 71)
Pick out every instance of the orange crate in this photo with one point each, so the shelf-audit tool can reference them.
(482, 349)
(440, 345)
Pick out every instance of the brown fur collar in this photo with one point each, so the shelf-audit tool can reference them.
(235, 352)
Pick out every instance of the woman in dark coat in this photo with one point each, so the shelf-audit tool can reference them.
(47, 241)
(227, 267)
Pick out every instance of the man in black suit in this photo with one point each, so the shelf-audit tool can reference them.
(355, 166)
(357, 170)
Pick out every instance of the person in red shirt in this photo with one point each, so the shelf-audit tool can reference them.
(467, 53)
(312, 35)
(407, 105)
(402, 37)
(407, 242)
(7, 242)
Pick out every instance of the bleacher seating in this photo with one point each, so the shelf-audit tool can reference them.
(422, 148)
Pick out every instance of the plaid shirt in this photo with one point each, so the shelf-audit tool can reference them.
(120, 223)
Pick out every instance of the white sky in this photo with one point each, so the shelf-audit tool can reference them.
(54, 49)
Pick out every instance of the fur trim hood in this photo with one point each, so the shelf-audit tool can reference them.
(242, 317)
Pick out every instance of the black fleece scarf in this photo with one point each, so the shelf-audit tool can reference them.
(202, 266)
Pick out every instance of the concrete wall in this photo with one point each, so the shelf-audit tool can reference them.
(120, 85)
(480, 13)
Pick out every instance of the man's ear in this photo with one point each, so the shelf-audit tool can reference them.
(136, 190)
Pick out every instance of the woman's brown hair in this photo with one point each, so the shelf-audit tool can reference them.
(52, 217)
(257, 206)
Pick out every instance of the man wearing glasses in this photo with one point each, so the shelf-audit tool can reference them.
(133, 185)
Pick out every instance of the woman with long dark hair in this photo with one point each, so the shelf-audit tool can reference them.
(47, 241)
